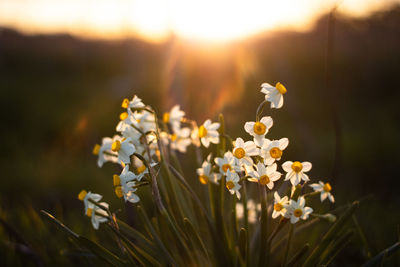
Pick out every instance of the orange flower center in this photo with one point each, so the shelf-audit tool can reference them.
(125, 103)
(281, 89)
(297, 166)
(327, 187)
(116, 146)
(264, 180)
(166, 117)
(239, 153)
(96, 149)
(226, 167)
(203, 179)
(259, 128)
(230, 185)
(278, 207)
(202, 131)
(297, 212)
(275, 153)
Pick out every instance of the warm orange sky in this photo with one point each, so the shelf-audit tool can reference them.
(209, 20)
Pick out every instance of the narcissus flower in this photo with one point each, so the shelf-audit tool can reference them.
(279, 205)
(259, 129)
(232, 183)
(243, 150)
(325, 190)
(136, 102)
(104, 151)
(274, 94)
(88, 198)
(174, 117)
(273, 150)
(226, 163)
(98, 215)
(295, 210)
(180, 139)
(296, 171)
(265, 175)
(207, 132)
(124, 148)
(206, 173)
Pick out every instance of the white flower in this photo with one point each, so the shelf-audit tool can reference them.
(232, 183)
(88, 198)
(206, 174)
(272, 150)
(296, 171)
(174, 117)
(265, 175)
(279, 205)
(180, 139)
(274, 94)
(124, 184)
(98, 215)
(140, 168)
(325, 190)
(252, 210)
(226, 163)
(104, 151)
(145, 121)
(124, 148)
(243, 150)
(208, 133)
(136, 102)
(259, 129)
(296, 210)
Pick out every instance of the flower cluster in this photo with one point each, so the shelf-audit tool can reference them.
(141, 138)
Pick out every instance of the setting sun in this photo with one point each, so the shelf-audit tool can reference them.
(156, 19)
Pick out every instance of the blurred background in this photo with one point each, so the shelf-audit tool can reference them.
(65, 67)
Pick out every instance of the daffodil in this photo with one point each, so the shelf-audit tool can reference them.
(279, 205)
(232, 183)
(174, 117)
(259, 129)
(88, 198)
(104, 151)
(124, 148)
(296, 171)
(207, 132)
(136, 102)
(144, 121)
(325, 189)
(265, 175)
(295, 210)
(274, 94)
(273, 150)
(98, 215)
(226, 163)
(124, 185)
(243, 151)
(206, 173)
(180, 139)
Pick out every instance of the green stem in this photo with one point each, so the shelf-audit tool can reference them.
(264, 227)
(288, 245)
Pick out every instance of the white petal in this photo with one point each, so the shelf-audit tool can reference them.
(306, 166)
(249, 127)
(283, 143)
(287, 166)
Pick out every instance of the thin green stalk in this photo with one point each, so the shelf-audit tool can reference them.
(264, 227)
(289, 243)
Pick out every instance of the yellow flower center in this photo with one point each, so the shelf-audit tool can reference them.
(297, 166)
(203, 179)
(82, 194)
(202, 131)
(264, 180)
(116, 146)
(239, 153)
(174, 137)
(225, 167)
(125, 103)
(96, 149)
(141, 169)
(297, 212)
(123, 116)
(118, 191)
(281, 89)
(327, 187)
(89, 212)
(259, 128)
(275, 153)
(166, 117)
(278, 207)
(230, 185)
(116, 180)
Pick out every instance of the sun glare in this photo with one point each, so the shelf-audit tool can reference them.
(205, 20)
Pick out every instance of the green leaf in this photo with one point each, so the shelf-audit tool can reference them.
(327, 238)
(243, 245)
(297, 257)
(194, 236)
(333, 250)
(101, 252)
(378, 259)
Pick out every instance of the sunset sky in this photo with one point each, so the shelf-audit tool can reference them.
(155, 19)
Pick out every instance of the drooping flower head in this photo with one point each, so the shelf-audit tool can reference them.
(325, 189)
(274, 95)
